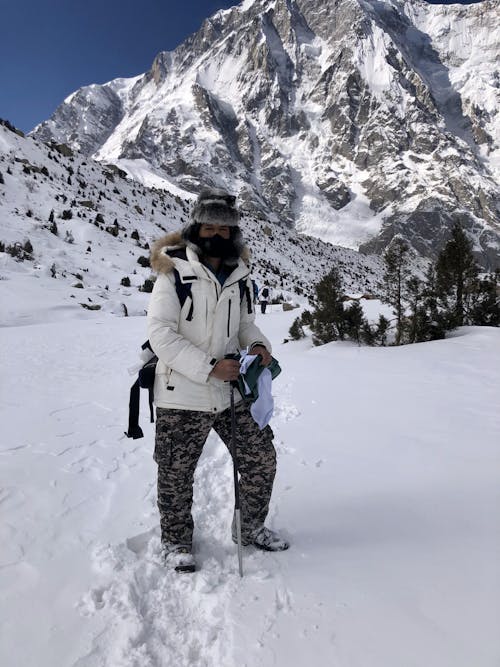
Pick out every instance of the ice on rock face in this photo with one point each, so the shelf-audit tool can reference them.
(315, 111)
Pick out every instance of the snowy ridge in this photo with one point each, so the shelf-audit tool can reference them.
(113, 222)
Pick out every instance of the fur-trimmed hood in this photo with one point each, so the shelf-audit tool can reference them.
(160, 260)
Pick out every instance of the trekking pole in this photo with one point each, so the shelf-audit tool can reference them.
(237, 514)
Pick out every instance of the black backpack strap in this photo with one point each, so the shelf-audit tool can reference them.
(249, 299)
(134, 430)
(183, 290)
(151, 404)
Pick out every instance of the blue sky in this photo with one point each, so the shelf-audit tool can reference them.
(50, 48)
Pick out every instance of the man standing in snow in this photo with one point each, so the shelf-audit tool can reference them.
(264, 297)
(200, 311)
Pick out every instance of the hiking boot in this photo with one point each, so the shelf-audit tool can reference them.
(265, 539)
(178, 557)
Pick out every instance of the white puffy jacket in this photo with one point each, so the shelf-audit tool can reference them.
(188, 341)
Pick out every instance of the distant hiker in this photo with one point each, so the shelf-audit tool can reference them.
(255, 288)
(206, 262)
(264, 297)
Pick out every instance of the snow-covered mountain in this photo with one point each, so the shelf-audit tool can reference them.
(80, 231)
(352, 120)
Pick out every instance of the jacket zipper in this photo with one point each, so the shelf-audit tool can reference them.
(167, 378)
(191, 309)
(229, 318)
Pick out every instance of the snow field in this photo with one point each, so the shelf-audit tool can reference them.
(387, 487)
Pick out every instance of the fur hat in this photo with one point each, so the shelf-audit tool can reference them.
(215, 207)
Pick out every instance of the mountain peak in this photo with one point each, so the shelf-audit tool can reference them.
(353, 120)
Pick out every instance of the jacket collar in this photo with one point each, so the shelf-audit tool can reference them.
(193, 264)
(164, 260)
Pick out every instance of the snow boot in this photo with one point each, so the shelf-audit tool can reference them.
(265, 539)
(178, 557)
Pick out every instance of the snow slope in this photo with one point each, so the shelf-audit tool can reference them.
(387, 488)
(112, 223)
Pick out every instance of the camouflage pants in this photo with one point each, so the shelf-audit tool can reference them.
(180, 436)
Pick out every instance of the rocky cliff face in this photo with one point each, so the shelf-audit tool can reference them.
(351, 119)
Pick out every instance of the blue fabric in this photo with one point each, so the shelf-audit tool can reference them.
(222, 274)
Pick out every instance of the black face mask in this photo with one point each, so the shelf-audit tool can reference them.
(217, 246)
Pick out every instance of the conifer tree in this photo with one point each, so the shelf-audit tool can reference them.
(296, 332)
(328, 315)
(485, 310)
(456, 275)
(354, 319)
(367, 333)
(413, 293)
(396, 272)
(382, 329)
(436, 319)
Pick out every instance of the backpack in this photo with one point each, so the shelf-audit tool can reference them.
(145, 380)
(146, 374)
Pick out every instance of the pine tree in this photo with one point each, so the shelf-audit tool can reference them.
(375, 334)
(437, 319)
(396, 272)
(328, 315)
(456, 275)
(382, 329)
(413, 293)
(306, 318)
(296, 332)
(354, 319)
(368, 335)
(485, 310)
